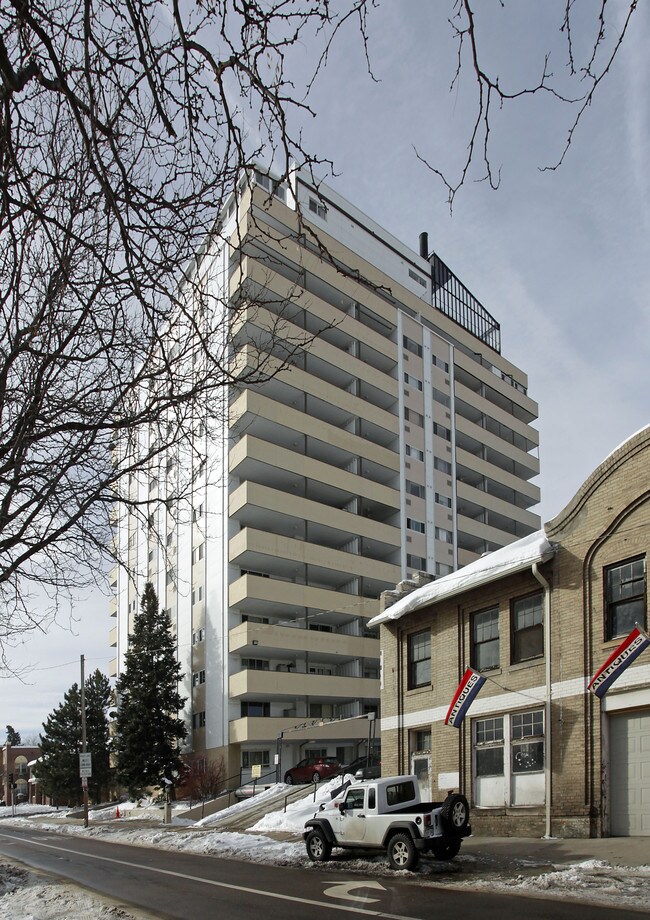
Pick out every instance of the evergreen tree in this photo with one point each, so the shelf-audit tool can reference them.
(149, 729)
(58, 767)
(60, 743)
(98, 741)
(13, 737)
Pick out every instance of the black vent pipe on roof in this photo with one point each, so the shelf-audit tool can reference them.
(424, 245)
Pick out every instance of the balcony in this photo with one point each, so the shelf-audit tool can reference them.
(270, 685)
(261, 596)
(258, 729)
(260, 640)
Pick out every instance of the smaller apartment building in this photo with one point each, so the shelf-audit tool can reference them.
(537, 753)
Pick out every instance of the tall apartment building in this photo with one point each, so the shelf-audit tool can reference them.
(399, 441)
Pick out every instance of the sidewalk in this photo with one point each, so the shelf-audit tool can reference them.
(501, 851)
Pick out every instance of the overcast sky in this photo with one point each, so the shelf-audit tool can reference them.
(560, 258)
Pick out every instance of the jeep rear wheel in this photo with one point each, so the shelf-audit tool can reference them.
(319, 849)
(402, 853)
(455, 813)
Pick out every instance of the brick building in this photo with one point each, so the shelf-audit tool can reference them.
(537, 752)
(15, 771)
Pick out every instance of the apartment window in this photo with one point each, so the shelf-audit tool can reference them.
(197, 513)
(445, 536)
(255, 664)
(527, 620)
(414, 452)
(441, 431)
(414, 488)
(443, 569)
(318, 208)
(416, 277)
(197, 594)
(418, 563)
(255, 709)
(420, 741)
(419, 659)
(170, 576)
(625, 597)
(255, 759)
(485, 639)
(443, 500)
(416, 418)
(198, 678)
(412, 346)
(509, 759)
(417, 526)
(442, 465)
(198, 636)
(198, 720)
(441, 398)
(197, 553)
(412, 381)
(438, 362)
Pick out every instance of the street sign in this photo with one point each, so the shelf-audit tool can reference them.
(85, 765)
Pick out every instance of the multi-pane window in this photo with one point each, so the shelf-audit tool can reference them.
(441, 431)
(442, 569)
(255, 664)
(489, 747)
(508, 754)
(419, 659)
(443, 500)
(527, 619)
(444, 466)
(412, 381)
(318, 208)
(418, 563)
(414, 452)
(198, 720)
(414, 347)
(485, 639)
(445, 536)
(255, 759)
(198, 678)
(420, 740)
(198, 635)
(417, 526)
(415, 418)
(440, 362)
(414, 488)
(625, 597)
(527, 741)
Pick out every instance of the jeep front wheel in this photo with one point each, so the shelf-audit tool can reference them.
(319, 849)
(402, 853)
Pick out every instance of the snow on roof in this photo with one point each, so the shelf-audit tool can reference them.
(505, 561)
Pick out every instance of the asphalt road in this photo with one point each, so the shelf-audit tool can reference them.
(179, 886)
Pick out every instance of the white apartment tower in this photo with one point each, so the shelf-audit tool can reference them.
(399, 441)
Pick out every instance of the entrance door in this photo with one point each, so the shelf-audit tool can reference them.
(421, 767)
(629, 772)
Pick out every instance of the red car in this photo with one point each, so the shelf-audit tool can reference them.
(312, 770)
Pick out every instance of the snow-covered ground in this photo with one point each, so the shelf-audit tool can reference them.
(276, 839)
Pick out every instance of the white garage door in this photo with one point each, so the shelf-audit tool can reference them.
(629, 736)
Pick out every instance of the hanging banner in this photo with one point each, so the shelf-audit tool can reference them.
(618, 661)
(467, 690)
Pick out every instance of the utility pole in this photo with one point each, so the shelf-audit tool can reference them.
(84, 779)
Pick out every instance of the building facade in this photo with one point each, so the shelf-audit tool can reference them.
(399, 440)
(537, 753)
